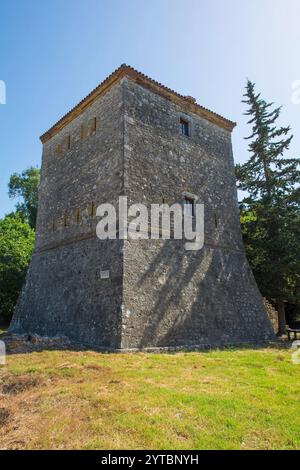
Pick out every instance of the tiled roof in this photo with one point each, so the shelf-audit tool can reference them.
(186, 102)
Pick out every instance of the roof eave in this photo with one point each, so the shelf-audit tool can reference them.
(138, 77)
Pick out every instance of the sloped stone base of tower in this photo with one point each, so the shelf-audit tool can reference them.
(167, 297)
(174, 297)
(64, 294)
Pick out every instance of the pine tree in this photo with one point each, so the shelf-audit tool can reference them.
(270, 212)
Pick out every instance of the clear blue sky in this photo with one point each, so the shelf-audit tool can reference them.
(53, 52)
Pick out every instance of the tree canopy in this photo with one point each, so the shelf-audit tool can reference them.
(16, 245)
(25, 187)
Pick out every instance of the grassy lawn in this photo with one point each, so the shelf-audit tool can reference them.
(3, 330)
(232, 399)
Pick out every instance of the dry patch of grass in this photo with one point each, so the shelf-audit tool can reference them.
(14, 385)
(233, 399)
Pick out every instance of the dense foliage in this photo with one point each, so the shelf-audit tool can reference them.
(270, 211)
(25, 186)
(16, 245)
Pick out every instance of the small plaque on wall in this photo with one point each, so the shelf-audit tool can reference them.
(104, 274)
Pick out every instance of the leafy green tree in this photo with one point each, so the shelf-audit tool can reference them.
(16, 245)
(25, 186)
(270, 211)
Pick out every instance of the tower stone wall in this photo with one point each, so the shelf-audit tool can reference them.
(128, 142)
(64, 293)
(172, 296)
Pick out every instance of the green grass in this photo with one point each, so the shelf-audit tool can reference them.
(3, 331)
(232, 399)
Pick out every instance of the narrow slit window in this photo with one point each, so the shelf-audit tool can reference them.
(59, 149)
(184, 127)
(94, 124)
(69, 142)
(77, 215)
(65, 220)
(216, 220)
(93, 209)
(82, 132)
(189, 206)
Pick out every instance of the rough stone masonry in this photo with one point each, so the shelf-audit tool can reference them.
(135, 137)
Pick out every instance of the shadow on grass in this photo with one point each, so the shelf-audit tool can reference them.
(26, 346)
(3, 330)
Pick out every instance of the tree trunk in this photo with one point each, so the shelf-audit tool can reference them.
(281, 317)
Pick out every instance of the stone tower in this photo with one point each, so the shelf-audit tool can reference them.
(133, 136)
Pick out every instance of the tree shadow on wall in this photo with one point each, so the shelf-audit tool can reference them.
(201, 297)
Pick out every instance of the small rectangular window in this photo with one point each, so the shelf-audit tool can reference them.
(216, 220)
(189, 207)
(94, 124)
(69, 142)
(93, 209)
(59, 149)
(184, 127)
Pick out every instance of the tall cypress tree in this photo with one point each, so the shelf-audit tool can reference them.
(270, 212)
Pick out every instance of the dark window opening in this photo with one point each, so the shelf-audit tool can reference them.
(93, 209)
(94, 128)
(216, 220)
(189, 207)
(184, 127)
(82, 132)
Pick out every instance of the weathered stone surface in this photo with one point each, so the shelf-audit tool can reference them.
(157, 293)
(23, 343)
